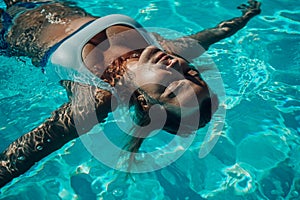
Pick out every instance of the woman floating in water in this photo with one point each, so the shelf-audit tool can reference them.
(117, 50)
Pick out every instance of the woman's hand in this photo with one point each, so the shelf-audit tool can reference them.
(252, 9)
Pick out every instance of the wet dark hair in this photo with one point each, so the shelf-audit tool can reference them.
(205, 111)
(139, 100)
(141, 118)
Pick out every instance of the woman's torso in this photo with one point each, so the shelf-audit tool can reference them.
(37, 27)
(35, 30)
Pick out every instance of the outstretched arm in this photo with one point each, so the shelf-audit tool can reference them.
(56, 131)
(188, 47)
(229, 27)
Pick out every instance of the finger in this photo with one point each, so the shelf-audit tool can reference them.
(258, 4)
(250, 2)
(148, 53)
(254, 4)
(159, 56)
(243, 6)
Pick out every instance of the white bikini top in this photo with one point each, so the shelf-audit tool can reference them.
(66, 56)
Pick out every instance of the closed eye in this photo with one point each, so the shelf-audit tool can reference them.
(193, 76)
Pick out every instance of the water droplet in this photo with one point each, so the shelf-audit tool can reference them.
(39, 148)
(118, 192)
(21, 158)
(49, 140)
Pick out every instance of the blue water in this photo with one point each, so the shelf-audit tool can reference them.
(257, 155)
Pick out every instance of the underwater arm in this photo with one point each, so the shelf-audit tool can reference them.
(192, 46)
(55, 132)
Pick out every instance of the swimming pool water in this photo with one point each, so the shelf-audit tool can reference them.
(257, 155)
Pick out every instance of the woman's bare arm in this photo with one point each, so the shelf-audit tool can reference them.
(229, 27)
(64, 125)
(192, 46)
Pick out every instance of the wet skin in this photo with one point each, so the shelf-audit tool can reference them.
(33, 33)
(170, 81)
(167, 79)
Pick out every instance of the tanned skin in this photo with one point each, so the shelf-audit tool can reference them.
(31, 35)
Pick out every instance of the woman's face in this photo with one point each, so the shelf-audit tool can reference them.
(170, 81)
(165, 78)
